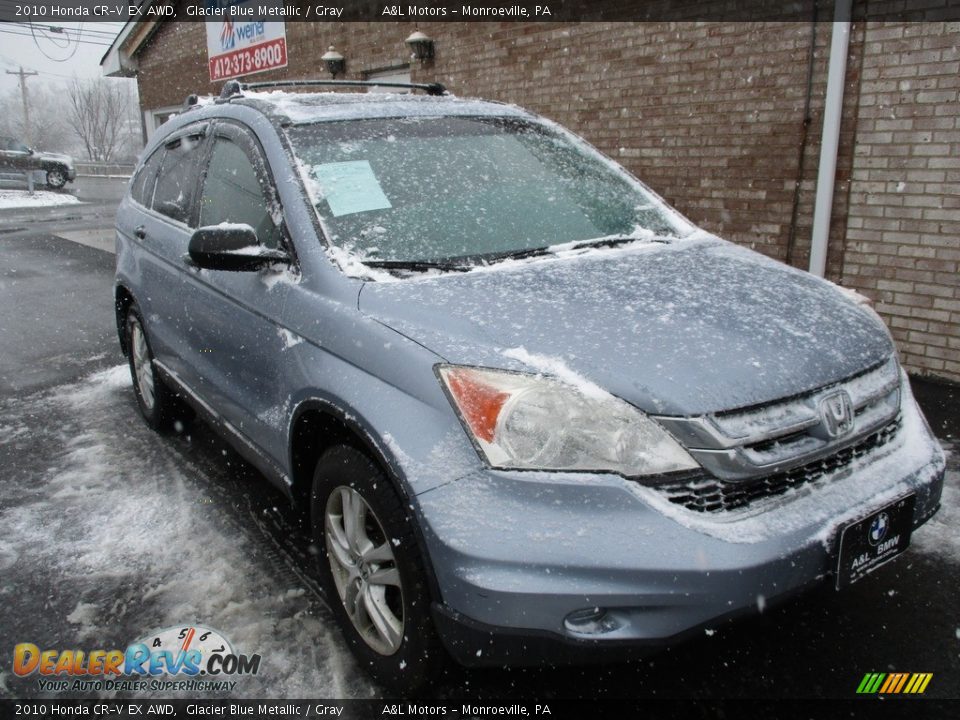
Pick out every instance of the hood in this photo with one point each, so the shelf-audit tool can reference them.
(687, 328)
(55, 157)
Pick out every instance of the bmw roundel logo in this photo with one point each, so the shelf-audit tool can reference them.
(879, 527)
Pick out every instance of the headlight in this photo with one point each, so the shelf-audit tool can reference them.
(531, 422)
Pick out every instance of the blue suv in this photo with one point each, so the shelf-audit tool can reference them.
(529, 409)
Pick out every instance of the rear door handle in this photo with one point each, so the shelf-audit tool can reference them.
(140, 233)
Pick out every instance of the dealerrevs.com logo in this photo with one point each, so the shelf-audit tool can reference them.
(186, 658)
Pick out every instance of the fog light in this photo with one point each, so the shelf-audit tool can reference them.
(591, 621)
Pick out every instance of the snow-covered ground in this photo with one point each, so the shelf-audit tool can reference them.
(116, 519)
(10, 199)
(115, 532)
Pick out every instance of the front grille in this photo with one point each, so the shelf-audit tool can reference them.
(713, 495)
(757, 442)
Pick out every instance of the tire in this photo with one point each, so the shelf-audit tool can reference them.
(160, 407)
(56, 178)
(375, 562)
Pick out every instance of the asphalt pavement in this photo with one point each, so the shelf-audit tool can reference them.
(112, 530)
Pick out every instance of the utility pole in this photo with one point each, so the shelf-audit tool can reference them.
(26, 106)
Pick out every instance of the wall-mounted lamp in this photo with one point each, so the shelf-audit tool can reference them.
(333, 61)
(420, 45)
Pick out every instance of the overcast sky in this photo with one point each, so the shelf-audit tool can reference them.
(56, 56)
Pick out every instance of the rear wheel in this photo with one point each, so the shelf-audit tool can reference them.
(372, 571)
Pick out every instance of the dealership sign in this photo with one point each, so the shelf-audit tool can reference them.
(238, 43)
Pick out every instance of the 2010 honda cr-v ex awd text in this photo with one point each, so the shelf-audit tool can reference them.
(529, 410)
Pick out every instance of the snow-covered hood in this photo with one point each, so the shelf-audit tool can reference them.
(680, 329)
(55, 157)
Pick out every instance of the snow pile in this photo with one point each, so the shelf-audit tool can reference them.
(128, 528)
(556, 367)
(11, 199)
(941, 535)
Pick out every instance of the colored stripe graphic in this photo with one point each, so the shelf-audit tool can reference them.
(892, 680)
(894, 683)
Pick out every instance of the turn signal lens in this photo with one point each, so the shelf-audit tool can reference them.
(479, 404)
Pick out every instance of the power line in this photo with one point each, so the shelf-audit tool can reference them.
(13, 64)
(28, 34)
(60, 29)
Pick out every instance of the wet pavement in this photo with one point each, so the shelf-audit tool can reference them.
(111, 530)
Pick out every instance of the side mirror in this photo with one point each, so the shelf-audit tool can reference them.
(231, 247)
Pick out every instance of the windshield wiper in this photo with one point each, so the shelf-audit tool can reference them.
(615, 240)
(606, 241)
(495, 257)
(468, 262)
(418, 265)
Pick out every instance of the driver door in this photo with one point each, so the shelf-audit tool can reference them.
(232, 318)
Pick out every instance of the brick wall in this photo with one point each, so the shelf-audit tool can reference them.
(903, 230)
(711, 115)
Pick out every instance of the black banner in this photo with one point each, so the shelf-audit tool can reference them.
(428, 11)
(556, 709)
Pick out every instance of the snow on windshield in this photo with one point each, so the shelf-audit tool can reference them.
(407, 190)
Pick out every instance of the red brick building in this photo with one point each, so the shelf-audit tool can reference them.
(722, 119)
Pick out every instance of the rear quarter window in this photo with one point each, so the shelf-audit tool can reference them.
(143, 184)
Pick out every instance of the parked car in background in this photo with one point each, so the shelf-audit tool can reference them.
(531, 413)
(51, 169)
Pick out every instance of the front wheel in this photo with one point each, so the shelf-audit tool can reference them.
(372, 571)
(56, 178)
(158, 405)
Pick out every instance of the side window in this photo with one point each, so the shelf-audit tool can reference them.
(176, 181)
(232, 193)
(142, 190)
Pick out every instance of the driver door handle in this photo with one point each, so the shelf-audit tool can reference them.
(140, 233)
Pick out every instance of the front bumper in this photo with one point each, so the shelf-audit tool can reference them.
(516, 553)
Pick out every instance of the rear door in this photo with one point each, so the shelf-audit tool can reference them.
(164, 193)
(234, 337)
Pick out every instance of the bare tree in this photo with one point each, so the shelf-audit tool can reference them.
(99, 111)
(48, 126)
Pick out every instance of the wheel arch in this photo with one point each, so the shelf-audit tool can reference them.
(318, 424)
(123, 300)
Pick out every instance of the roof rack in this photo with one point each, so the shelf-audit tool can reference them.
(235, 88)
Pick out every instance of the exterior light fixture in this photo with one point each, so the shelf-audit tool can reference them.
(421, 45)
(333, 61)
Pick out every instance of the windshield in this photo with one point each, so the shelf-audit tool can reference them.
(467, 189)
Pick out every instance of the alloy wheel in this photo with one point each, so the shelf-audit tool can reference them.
(364, 570)
(142, 365)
